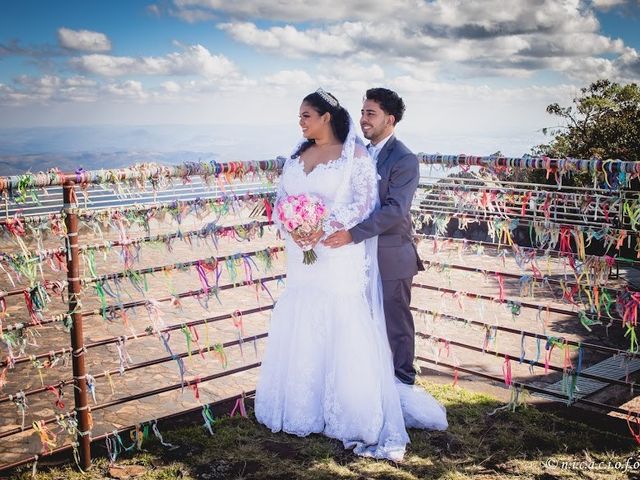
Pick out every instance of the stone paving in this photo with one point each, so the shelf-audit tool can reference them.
(40, 406)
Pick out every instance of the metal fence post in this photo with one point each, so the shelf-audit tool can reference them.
(77, 337)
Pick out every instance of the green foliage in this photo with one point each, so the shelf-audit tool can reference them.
(603, 123)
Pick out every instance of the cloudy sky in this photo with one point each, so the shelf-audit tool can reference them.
(476, 74)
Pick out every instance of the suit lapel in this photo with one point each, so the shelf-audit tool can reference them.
(384, 154)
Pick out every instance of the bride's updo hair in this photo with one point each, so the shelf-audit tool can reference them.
(323, 102)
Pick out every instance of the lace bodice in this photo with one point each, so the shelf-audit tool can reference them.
(348, 188)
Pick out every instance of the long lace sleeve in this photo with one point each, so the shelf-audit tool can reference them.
(363, 183)
(280, 194)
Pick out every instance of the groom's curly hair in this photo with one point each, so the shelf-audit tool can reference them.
(390, 102)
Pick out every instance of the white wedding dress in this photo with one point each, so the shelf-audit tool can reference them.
(328, 366)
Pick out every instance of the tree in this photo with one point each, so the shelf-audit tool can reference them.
(603, 123)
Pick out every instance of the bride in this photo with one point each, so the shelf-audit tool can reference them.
(328, 366)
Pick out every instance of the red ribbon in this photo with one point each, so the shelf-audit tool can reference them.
(501, 296)
(635, 432)
(237, 321)
(447, 347)
(506, 370)
(630, 315)
(3, 310)
(32, 312)
(14, 225)
(196, 338)
(547, 357)
(57, 391)
(536, 271)
(194, 386)
(568, 294)
(267, 209)
(546, 207)
(525, 202)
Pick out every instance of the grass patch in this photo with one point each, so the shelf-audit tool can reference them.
(505, 445)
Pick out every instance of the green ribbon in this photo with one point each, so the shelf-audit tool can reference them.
(231, 269)
(586, 321)
(187, 335)
(569, 385)
(209, 420)
(606, 301)
(99, 288)
(219, 349)
(633, 339)
(89, 257)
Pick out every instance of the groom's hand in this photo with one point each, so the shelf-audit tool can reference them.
(338, 239)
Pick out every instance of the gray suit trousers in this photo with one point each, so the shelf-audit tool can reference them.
(400, 328)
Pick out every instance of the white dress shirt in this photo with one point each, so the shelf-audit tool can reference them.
(374, 150)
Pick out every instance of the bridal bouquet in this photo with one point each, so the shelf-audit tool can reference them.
(302, 214)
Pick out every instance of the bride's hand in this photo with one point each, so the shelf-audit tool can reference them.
(306, 241)
(299, 239)
(314, 238)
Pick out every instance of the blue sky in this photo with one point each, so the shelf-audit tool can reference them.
(476, 76)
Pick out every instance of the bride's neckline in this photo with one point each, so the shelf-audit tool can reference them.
(317, 165)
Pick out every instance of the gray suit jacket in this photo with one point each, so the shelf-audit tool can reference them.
(399, 170)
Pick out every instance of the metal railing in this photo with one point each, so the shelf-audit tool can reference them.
(559, 226)
(36, 203)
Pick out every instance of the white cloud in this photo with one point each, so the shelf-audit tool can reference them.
(288, 78)
(607, 4)
(470, 39)
(85, 40)
(171, 87)
(106, 65)
(291, 10)
(130, 90)
(194, 60)
(289, 41)
(193, 15)
(48, 88)
(450, 117)
(347, 71)
(435, 53)
(51, 89)
(80, 81)
(476, 16)
(154, 10)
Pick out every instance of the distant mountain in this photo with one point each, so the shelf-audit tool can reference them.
(70, 162)
(93, 147)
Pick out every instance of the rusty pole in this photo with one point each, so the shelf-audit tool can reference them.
(75, 311)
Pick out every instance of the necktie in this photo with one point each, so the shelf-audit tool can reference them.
(373, 151)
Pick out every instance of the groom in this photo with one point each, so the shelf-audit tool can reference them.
(397, 255)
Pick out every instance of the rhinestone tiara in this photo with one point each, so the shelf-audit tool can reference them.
(327, 97)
